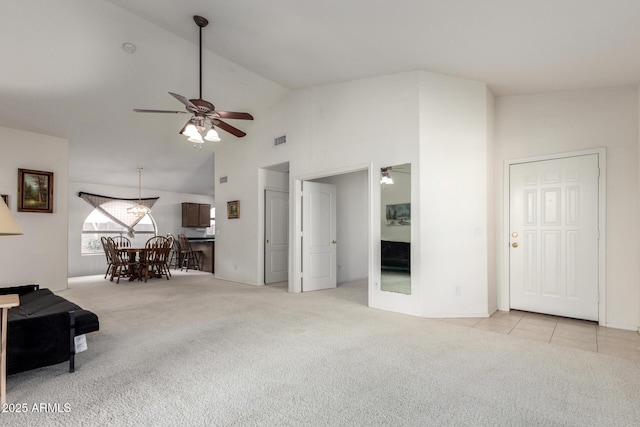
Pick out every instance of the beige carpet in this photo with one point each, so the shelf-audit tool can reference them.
(196, 351)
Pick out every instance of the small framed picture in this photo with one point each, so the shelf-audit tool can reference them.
(5, 199)
(35, 191)
(233, 209)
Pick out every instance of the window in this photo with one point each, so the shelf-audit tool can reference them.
(97, 225)
(211, 230)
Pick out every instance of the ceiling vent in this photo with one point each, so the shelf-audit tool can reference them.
(280, 140)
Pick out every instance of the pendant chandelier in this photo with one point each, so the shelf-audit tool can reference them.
(139, 210)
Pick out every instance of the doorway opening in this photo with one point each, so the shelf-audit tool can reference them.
(274, 183)
(349, 266)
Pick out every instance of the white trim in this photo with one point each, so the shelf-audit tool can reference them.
(279, 190)
(503, 294)
(620, 326)
(454, 315)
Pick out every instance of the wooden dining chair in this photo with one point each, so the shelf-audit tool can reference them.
(107, 254)
(119, 261)
(189, 256)
(156, 257)
(121, 242)
(174, 256)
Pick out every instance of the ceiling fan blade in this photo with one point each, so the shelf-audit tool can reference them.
(138, 110)
(228, 128)
(233, 115)
(184, 100)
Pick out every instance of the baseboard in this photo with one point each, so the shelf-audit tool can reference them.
(455, 315)
(237, 281)
(625, 327)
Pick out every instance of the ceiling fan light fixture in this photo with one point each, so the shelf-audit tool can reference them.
(197, 138)
(190, 130)
(386, 176)
(212, 135)
(203, 113)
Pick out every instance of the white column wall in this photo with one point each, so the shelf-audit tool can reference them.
(454, 141)
(492, 223)
(40, 254)
(541, 124)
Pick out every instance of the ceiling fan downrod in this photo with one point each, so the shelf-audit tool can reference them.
(201, 23)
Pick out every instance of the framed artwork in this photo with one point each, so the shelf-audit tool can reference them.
(399, 214)
(233, 209)
(5, 198)
(35, 191)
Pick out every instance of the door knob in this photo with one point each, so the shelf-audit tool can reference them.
(514, 244)
(334, 242)
(267, 240)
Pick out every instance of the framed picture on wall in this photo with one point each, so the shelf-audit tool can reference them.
(233, 209)
(5, 199)
(399, 214)
(35, 191)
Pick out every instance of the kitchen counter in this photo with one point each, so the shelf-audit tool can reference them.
(208, 247)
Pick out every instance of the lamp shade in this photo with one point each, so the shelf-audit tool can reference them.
(8, 224)
(197, 138)
(212, 135)
(190, 130)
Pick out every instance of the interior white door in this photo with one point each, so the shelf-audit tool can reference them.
(318, 236)
(554, 234)
(276, 242)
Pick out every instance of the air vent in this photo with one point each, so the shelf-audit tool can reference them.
(280, 140)
(224, 179)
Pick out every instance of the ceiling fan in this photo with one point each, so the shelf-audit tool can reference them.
(203, 113)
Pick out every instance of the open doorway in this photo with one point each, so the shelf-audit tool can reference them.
(275, 260)
(352, 228)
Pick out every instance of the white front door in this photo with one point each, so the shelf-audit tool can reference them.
(276, 242)
(318, 236)
(553, 258)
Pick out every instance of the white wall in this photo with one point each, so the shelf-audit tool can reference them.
(330, 130)
(352, 228)
(167, 212)
(40, 254)
(492, 221)
(540, 124)
(438, 124)
(453, 187)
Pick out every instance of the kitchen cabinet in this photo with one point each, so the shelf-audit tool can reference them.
(196, 215)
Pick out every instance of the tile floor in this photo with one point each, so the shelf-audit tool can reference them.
(554, 330)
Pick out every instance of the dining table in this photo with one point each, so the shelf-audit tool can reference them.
(135, 255)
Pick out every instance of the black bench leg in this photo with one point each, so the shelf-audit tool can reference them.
(72, 341)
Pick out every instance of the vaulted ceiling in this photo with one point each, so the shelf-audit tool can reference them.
(63, 70)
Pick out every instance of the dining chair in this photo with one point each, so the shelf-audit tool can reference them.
(171, 240)
(156, 257)
(121, 242)
(174, 256)
(189, 256)
(119, 261)
(107, 254)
